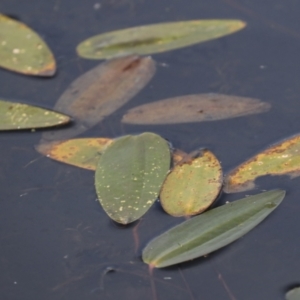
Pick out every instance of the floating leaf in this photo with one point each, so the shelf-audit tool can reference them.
(194, 108)
(83, 153)
(293, 294)
(23, 51)
(129, 175)
(156, 38)
(193, 185)
(99, 92)
(280, 159)
(22, 116)
(211, 230)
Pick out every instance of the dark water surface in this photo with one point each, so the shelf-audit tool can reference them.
(56, 241)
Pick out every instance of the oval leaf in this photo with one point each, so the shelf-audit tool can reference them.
(193, 185)
(293, 294)
(101, 91)
(155, 38)
(23, 51)
(22, 116)
(194, 108)
(129, 175)
(83, 153)
(279, 159)
(211, 230)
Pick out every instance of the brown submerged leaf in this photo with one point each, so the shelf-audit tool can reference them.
(101, 91)
(194, 108)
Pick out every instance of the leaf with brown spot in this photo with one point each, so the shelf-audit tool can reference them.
(101, 91)
(14, 116)
(282, 158)
(194, 108)
(155, 38)
(192, 185)
(22, 50)
(83, 153)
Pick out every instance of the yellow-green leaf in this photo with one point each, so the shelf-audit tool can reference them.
(83, 153)
(129, 175)
(293, 294)
(279, 159)
(193, 185)
(22, 50)
(194, 108)
(211, 230)
(156, 38)
(99, 92)
(22, 116)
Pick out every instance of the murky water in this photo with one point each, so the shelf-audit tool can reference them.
(57, 242)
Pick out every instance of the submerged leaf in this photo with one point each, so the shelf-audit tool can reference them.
(280, 159)
(129, 175)
(101, 91)
(193, 185)
(156, 38)
(293, 294)
(194, 108)
(22, 116)
(23, 51)
(83, 153)
(211, 230)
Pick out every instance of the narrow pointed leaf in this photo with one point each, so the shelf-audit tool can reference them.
(22, 50)
(279, 159)
(194, 108)
(83, 153)
(293, 294)
(155, 38)
(129, 175)
(22, 116)
(192, 185)
(101, 91)
(211, 230)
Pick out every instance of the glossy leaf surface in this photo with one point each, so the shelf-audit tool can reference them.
(194, 108)
(211, 230)
(192, 185)
(83, 153)
(22, 50)
(280, 159)
(293, 294)
(101, 91)
(155, 38)
(22, 116)
(129, 175)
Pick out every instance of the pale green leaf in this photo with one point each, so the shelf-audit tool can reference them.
(155, 38)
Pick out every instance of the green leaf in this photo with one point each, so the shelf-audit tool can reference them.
(23, 51)
(83, 153)
(129, 175)
(293, 294)
(99, 92)
(192, 185)
(211, 230)
(279, 159)
(194, 108)
(22, 116)
(155, 38)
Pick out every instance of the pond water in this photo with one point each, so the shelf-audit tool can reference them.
(58, 243)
